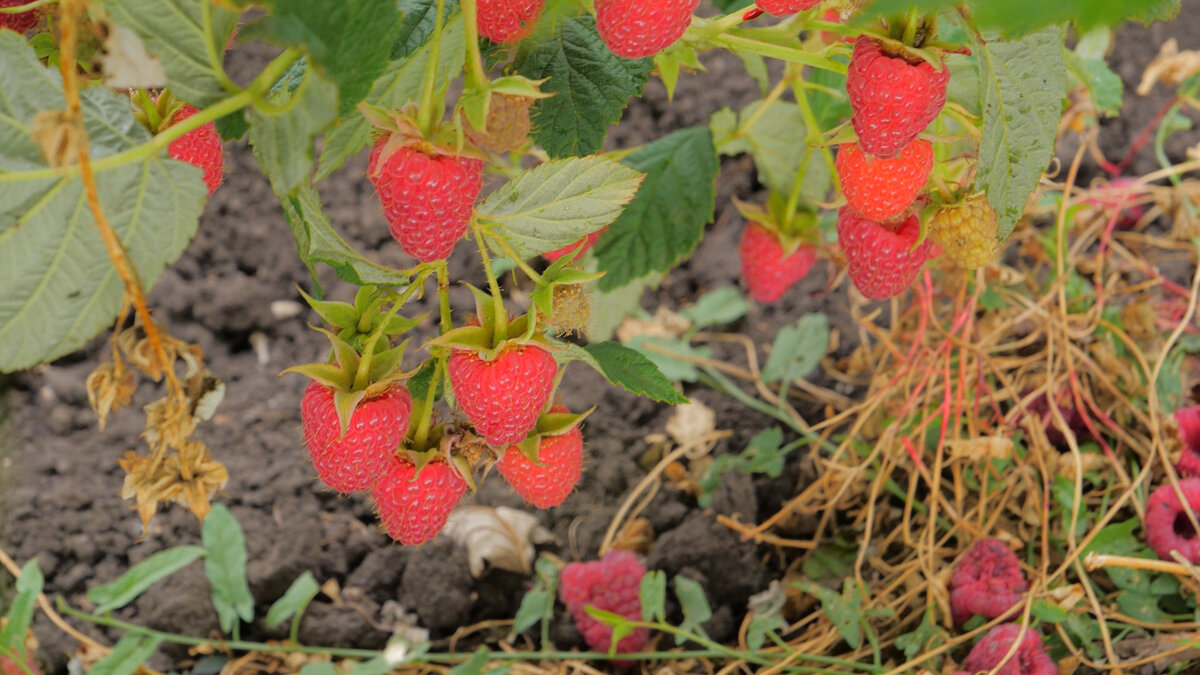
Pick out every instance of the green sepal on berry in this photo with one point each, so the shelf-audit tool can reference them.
(550, 424)
(356, 323)
(354, 376)
(559, 273)
(476, 103)
(793, 232)
(403, 131)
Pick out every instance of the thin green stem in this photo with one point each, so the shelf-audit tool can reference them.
(493, 287)
(425, 113)
(511, 254)
(421, 437)
(163, 140)
(910, 27)
(742, 44)
(214, 57)
(815, 132)
(476, 77)
(443, 281)
(29, 6)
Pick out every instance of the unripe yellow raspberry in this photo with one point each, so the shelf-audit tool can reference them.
(966, 232)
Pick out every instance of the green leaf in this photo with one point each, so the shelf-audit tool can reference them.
(342, 39)
(225, 565)
(764, 454)
(142, 576)
(399, 84)
(730, 5)
(127, 655)
(1048, 612)
(665, 222)
(590, 86)
(925, 638)
(633, 372)
(318, 669)
(318, 242)
(653, 595)
(1020, 17)
(233, 126)
(560, 202)
(173, 31)
(1169, 384)
(724, 305)
(766, 615)
(294, 601)
(1141, 606)
(475, 665)
(797, 349)
(778, 140)
(694, 605)
(533, 608)
(20, 610)
(844, 611)
(1087, 64)
(60, 287)
(283, 144)
(673, 368)
(418, 23)
(1023, 84)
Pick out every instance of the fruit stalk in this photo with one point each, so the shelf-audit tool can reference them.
(476, 77)
(501, 327)
(425, 116)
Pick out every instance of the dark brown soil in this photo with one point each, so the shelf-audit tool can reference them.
(62, 481)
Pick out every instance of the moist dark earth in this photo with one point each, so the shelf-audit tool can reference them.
(61, 479)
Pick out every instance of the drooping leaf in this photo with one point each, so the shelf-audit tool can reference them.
(318, 242)
(633, 372)
(399, 84)
(60, 288)
(173, 31)
(130, 652)
(559, 202)
(1023, 84)
(342, 39)
(283, 143)
(590, 86)
(142, 576)
(665, 222)
(225, 566)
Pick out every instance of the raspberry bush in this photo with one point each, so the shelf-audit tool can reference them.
(891, 137)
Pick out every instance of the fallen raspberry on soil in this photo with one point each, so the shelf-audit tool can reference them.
(1188, 420)
(988, 581)
(1168, 527)
(1040, 406)
(1030, 658)
(611, 584)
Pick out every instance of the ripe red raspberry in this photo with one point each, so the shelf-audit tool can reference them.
(636, 29)
(587, 243)
(1168, 527)
(8, 664)
(21, 22)
(1030, 658)
(508, 124)
(613, 585)
(503, 397)
(882, 261)
(556, 473)
(200, 147)
(1188, 420)
(352, 462)
(508, 21)
(786, 7)
(881, 189)
(414, 506)
(1041, 406)
(1189, 463)
(892, 98)
(427, 198)
(767, 269)
(988, 581)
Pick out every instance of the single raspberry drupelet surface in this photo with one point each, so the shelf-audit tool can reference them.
(1030, 657)
(892, 99)
(1168, 527)
(635, 29)
(786, 7)
(508, 21)
(767, 269)
(427, 198)
(200, 147)
(414, 506)
(882, 189)
(883, 260)
(988, 581)
(353, 462)
(1188, 420)
(503, 397)
(612, 584)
